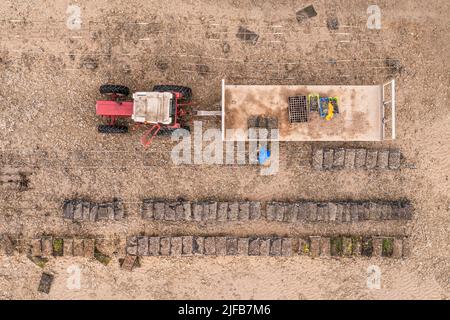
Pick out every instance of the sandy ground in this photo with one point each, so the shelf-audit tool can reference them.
(50, 76)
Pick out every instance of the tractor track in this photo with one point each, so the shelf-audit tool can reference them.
(137, 37)
(244, 218)
(313, 246)
(347, 158)
(288, 212)
(133, 158)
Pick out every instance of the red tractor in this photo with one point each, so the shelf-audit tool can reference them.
(161, 111)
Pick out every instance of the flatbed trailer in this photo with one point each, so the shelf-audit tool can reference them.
(366, 112)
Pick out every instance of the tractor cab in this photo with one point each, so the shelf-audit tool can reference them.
(153, 107)
(161, 111)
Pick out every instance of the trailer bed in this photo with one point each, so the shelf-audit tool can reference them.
(360, 118)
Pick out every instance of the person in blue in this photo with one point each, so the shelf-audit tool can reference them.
(263, 155)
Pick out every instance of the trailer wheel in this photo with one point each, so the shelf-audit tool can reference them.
(185, 91)
(165, 132)
(111, 89)
(104, 128)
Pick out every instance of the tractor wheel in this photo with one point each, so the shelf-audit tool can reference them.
(185, 91)
(186, 127)
(104, 128)
(110, 89)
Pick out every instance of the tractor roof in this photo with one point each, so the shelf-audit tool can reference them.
(152, 107)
